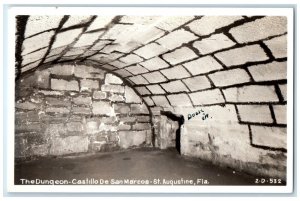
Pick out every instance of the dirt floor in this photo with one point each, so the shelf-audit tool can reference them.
(146, 166)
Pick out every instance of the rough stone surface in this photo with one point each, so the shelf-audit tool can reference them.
(253, 93)
(132, 138)
(246, 54)
(99, 95)
(179, 55)
(88, 85)
(59, 84)
(229, 77)
(68, 145)
(102, 108)
(113, 88)
(139, 109)
(82, 100)
(270, 71)
(255, 113)
(202, 65)
(269, 136)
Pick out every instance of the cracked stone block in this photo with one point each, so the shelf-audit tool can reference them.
(202, 65)
(88, 85)
(150, 50)
(179, 100)
(132, 138)
(270, 71)
(139, 109)
(59, 69)
(66, 38)
(209, 24)
(260, 29)
(99, 95)
(121, 108)
(154, 64)
(213, 43)
(148, 101)
(255, 113)
(176, 39)
(252, 93)
(82, 100)
(143, 90)
(65, 85)
(112, 79)
(136, 69)
(68, 145)
(100, 22)
(81, 110)
(283, 90)
(176, 72)
(179, 55)
(131, 96)
(36, 42)
(102, 108)
(197, 83)
(251, 53)
(160, 101)
(131, 59)
(76, 20)
(155, 89)
(87, 39)
(123, 73)
(278, 46)
(112, 88)
(154, 77)
(207, 97)
(139, 80)
(280, 113)
(229, 77)
(269, 136)
(174, 86)
(171, 22)
(83, 71)
(38, 23)
(34, 57)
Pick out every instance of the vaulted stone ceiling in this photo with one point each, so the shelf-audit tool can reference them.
(169, 60)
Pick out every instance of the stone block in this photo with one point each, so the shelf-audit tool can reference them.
(176, 39)
(66, 37)
(150, 50)
(141, 126)
(274, 137)
(62, 69)
(60, 110)
(127, 119)
(102, 108)
(139, 80)
(143, 90)
(252, 93)
(131, 59)
(28, 127)
(283, 90)
(69, 145)
(74, 126)
(278, 46)
(179, 100)
(139, 109)
(39, 150)
(33, 59)
(160, 101)
(121, 108)
(107, 127)
(58, 102)
(36, 42)
(174, 86)
(155, 77)
(117, 98)
(123, 127)
(155, 89)
(112, 88)
(280, 114)
(147, 34)
(99, 95)
(270, 71)
(112, 79)
(87, 39)
(176, 72)
(155, 63)
(26, 105)
(92, 127)
(148, 101)
(260, 29)
(51, 93)
(202, 65)
(171, 22)
(65, 85)
(229, 77)
(179, 55)
(82, 100)
(131, 96)
(207, 97)
(88, 85)
(41, 22)
(143, 119)
(108, 120)
(136, 69)
(213, 43)
(250, 53)
(122, 73)
(197, 83)
(209, 24)
(100, 22)
(255, 113)
(81, 110)
(132, 138)
(83, 71)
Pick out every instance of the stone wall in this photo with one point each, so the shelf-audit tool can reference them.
(71, 108)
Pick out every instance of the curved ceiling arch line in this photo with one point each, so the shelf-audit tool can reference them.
(125, 81)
